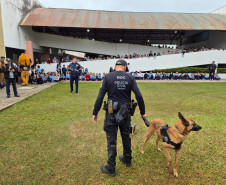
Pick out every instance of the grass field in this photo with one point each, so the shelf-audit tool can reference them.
(49, 138)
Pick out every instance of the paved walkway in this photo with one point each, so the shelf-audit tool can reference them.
(23, 91)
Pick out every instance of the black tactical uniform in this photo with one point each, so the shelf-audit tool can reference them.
(212, 69)
(118, 85)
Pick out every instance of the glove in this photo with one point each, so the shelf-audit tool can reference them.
(146, 122)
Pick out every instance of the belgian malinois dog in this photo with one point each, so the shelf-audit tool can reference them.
(173, 137)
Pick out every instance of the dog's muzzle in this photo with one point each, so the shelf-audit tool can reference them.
(196, 127)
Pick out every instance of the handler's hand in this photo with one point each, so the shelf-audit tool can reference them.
(144, 116)
(94, 119)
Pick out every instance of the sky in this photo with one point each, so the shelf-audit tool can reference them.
(182, 6)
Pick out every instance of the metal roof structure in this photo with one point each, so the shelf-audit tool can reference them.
(49, 17)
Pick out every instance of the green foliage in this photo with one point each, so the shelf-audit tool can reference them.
(221, 70)
(183, 70)
(49, 138)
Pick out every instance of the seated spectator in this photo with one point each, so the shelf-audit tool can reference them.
(87, 77)
(44, 78)
(151, 76)
(52, 77)
(82, 78)
(68, 75)
(171, 76)
(141, 76)
(217, 77)
(205, 77)
(176, 76)
(198, 76)
(56, 78)
(103, 76)
(146, 76)
(181, 76)
(39, 70)
(88, 58)
(85, 71)
(161, 75)
(186, 76)
(136, 76)
(201, 76)
(39, 79)
(157, 76)
(93, 77)
(164, 76)
(44, 62)
(192, 76)
(49, 61)
(98, 77)
(48, 78)
(33, 79)
(62, 77)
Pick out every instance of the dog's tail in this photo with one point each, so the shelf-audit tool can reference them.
(147, 123)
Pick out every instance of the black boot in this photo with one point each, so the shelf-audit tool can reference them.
(125, 161)
(106, 169)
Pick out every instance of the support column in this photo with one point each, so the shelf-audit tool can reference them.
(29, 50)
(2, 46)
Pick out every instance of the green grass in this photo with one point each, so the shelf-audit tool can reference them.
(49, 138)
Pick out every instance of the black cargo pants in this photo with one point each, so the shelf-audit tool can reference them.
(111, 128)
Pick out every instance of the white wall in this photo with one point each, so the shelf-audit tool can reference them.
(12, 13)
(162, 62)
(146, 64)
(89, 46)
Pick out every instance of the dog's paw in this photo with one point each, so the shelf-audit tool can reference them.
(158, 149)
(142, 152)
(175, 174)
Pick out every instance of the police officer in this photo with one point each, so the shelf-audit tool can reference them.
(212, 69)
(75, 68)
(10, 71)
(118, 84)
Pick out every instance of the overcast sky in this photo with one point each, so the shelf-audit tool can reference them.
(188, 6)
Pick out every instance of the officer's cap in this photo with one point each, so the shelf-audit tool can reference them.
(121, 62)
(8, 59)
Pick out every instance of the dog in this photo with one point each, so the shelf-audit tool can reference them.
(173, 137)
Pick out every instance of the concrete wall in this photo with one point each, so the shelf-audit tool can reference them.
(147, 64)
(216, 39)
(89, 46)
(2, 45)
(12, 13)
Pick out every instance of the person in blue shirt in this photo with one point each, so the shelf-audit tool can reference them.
(192, 76)
(75, 69)
(39, 69)
(44, 78)
(217, 77)
(205, 76)
(93, 77)
(68, 75)
(151, 77)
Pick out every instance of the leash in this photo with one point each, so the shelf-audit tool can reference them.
(147, 123)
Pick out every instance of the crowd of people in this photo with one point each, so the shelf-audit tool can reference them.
(130, 56)
(39, 76)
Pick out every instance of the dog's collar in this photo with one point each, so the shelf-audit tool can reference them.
(180, 132)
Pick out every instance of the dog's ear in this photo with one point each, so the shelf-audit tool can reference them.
(184, 121)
